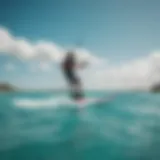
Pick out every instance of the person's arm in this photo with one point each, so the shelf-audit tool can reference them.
(82, 65)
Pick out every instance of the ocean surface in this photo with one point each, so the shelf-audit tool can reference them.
(49, 126)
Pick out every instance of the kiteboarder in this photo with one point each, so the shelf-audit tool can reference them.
(69, 66)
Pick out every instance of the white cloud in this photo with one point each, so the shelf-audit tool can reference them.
(138, 73)
(135, 74)
(25, 50)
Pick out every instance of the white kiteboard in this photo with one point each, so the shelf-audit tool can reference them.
(94, 101)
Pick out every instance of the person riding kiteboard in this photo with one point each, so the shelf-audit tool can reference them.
(69, 66)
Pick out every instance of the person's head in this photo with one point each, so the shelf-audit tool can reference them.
(70, 54)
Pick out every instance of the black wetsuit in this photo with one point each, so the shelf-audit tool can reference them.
(68, 67)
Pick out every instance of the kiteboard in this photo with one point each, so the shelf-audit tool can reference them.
(94, 101)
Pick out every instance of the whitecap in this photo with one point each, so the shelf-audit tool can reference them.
(33, 103)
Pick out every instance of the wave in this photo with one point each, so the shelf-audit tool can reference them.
(56, 102)
(42, 103)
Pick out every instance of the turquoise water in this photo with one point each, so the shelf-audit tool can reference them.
(46, 126)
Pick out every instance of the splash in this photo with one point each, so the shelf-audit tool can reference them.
(52, 102)
(33, 103)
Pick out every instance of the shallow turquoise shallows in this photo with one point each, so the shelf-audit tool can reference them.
(49, 126)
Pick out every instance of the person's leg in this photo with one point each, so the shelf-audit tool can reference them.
(77, 89)
(75, 86)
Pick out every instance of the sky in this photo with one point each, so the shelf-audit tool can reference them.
(120, 37)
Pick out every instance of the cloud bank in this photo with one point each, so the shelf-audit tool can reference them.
(26, 50)
(138, 73)
(42, 50)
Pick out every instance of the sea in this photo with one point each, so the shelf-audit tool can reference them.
(49, 126)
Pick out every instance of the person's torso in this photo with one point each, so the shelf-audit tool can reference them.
(68, 66)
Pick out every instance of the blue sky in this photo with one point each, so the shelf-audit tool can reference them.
(119, 30)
